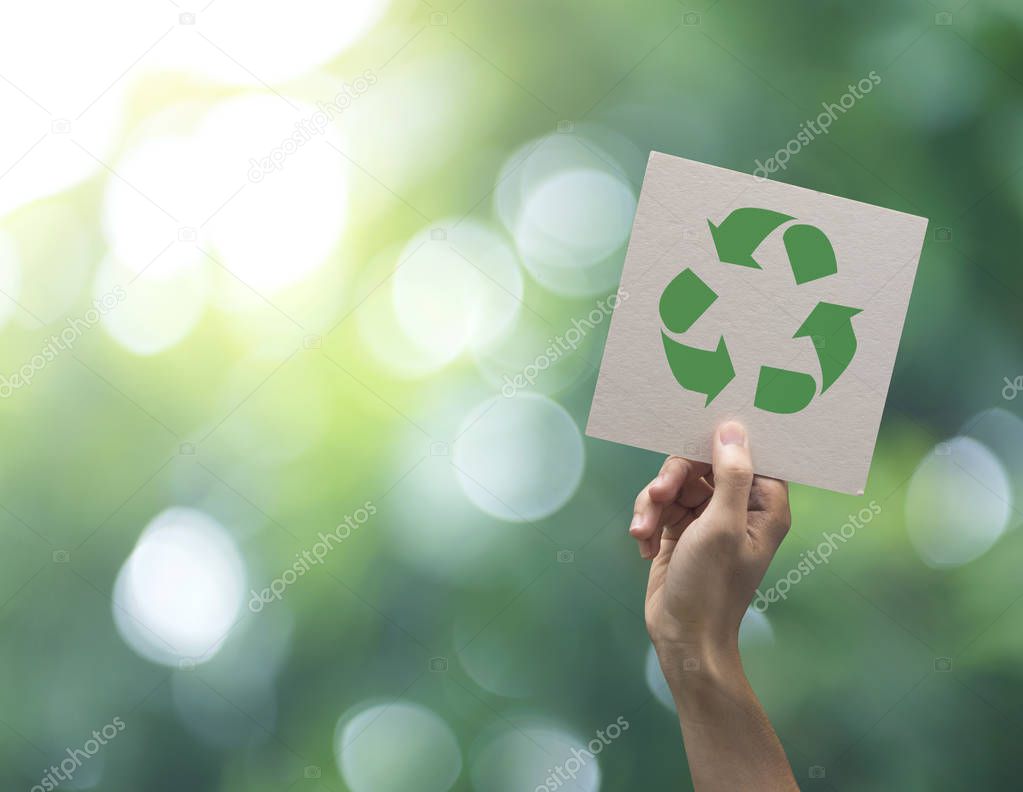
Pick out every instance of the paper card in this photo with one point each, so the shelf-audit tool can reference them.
(774, 305)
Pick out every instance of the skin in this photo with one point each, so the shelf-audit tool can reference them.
(710, 532)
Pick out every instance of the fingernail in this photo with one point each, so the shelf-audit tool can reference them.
(637, 523)
(732, 433)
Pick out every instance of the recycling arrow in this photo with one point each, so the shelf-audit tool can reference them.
(686, 298)
(705, 371)
(783, 391)
(810, 253)
(830, 327)
(684, 301)
(741, 233)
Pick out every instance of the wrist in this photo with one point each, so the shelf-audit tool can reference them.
(696, 669)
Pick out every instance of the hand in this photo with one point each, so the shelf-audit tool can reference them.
(711, 532)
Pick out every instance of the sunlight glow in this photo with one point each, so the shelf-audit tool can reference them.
(181, 590)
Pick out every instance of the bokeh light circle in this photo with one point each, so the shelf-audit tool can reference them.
(589, 147)
(279, 230)
(569, 206)
(1002, 432)
(457, 542)
(396, 747)
(380, 334)
(519, 458)
(60, 124)
(181, 590)
(147, 312)
(456, 287)
(529, 358)
(144, 210)
(241, 189)
(523, 759)
(958, 503)
(570, 227)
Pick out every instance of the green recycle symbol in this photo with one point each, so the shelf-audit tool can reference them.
(685, 299)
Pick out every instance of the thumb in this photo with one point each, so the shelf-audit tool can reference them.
(733, 474)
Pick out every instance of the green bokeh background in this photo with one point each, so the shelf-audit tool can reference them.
(853, 672)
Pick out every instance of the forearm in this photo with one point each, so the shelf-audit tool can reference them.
(728, 738)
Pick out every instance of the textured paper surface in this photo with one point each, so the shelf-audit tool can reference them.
(830, 442)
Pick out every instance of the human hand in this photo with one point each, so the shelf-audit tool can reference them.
(711, 531)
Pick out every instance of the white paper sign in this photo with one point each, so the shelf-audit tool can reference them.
(750, 299)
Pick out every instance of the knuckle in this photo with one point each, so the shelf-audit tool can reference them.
(672, 532)
(674, 463)
(737, 473)
(724, 541)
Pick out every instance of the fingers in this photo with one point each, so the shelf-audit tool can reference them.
(672, 514)
(733, 475)
(646, 517)
(666, 499)
(769, 495)
(674, 520)
(646, 521)
(675, 474)
(769, 514)
(659, 568)
(696, 493)
(665, 547)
